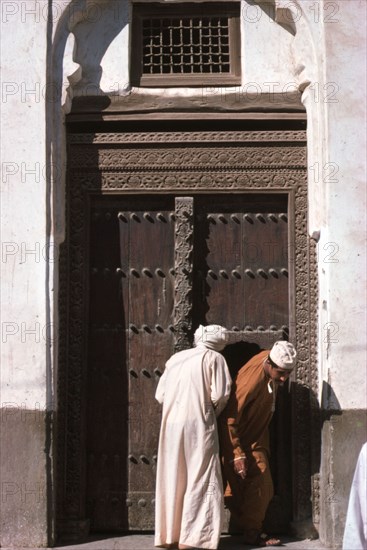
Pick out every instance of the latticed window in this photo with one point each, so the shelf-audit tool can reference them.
(185, 44)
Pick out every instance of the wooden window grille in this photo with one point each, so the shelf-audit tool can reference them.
(185, 44)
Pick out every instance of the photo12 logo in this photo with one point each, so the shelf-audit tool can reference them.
(38, 11)
(25, 332)
(21, 492)
(288, 12)
(21, 253)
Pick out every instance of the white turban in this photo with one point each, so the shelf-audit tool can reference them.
(212, 336)
(283, 354)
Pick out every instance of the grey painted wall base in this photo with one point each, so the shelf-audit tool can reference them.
(24, 477)
(343, 435)
(26, 487)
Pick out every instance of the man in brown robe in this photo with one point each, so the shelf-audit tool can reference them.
(244, 438)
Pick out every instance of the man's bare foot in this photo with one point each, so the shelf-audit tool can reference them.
(261, 540)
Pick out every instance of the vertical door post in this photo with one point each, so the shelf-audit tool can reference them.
(184, 232)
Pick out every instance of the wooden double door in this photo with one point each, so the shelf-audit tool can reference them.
(158, 265)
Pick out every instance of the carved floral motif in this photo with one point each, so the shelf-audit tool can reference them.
(184, 224)
(113, 159)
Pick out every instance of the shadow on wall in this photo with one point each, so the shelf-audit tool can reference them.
(329, 402)
(88, 20)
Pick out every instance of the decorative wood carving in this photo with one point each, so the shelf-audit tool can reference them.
(315, 425)
(204, 159)
(184, 211)
(184, 162)
(190, 137)
(218, 181)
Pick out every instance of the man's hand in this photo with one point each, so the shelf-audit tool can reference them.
(240, 466)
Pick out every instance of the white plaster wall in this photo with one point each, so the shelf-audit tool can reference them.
(116, 63)
(266, 55)
(343, 237)
(329, 59)
(25, 250)
(26, 268)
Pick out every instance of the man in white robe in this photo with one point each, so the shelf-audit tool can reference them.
(194, 389)
(355, 532)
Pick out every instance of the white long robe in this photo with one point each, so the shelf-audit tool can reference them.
(355, 532)
(194, 389)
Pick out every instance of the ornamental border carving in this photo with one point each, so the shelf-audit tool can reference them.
(143, 178)
(188, 158)
(191, 137)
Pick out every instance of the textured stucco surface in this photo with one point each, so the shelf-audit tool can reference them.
(342, 438)
(23, 478)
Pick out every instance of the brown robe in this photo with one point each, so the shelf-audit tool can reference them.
(243, 429)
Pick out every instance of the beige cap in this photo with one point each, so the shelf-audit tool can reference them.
(283, 354)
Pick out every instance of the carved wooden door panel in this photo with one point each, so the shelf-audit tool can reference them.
(130, 338)
(151, 281)
(241, 281)
(243, 274)
(148, 260)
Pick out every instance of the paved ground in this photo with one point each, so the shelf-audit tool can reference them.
(145, 542)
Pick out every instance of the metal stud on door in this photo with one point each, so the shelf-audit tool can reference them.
(150, 342)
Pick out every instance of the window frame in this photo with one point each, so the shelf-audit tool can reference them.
(143, 10)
